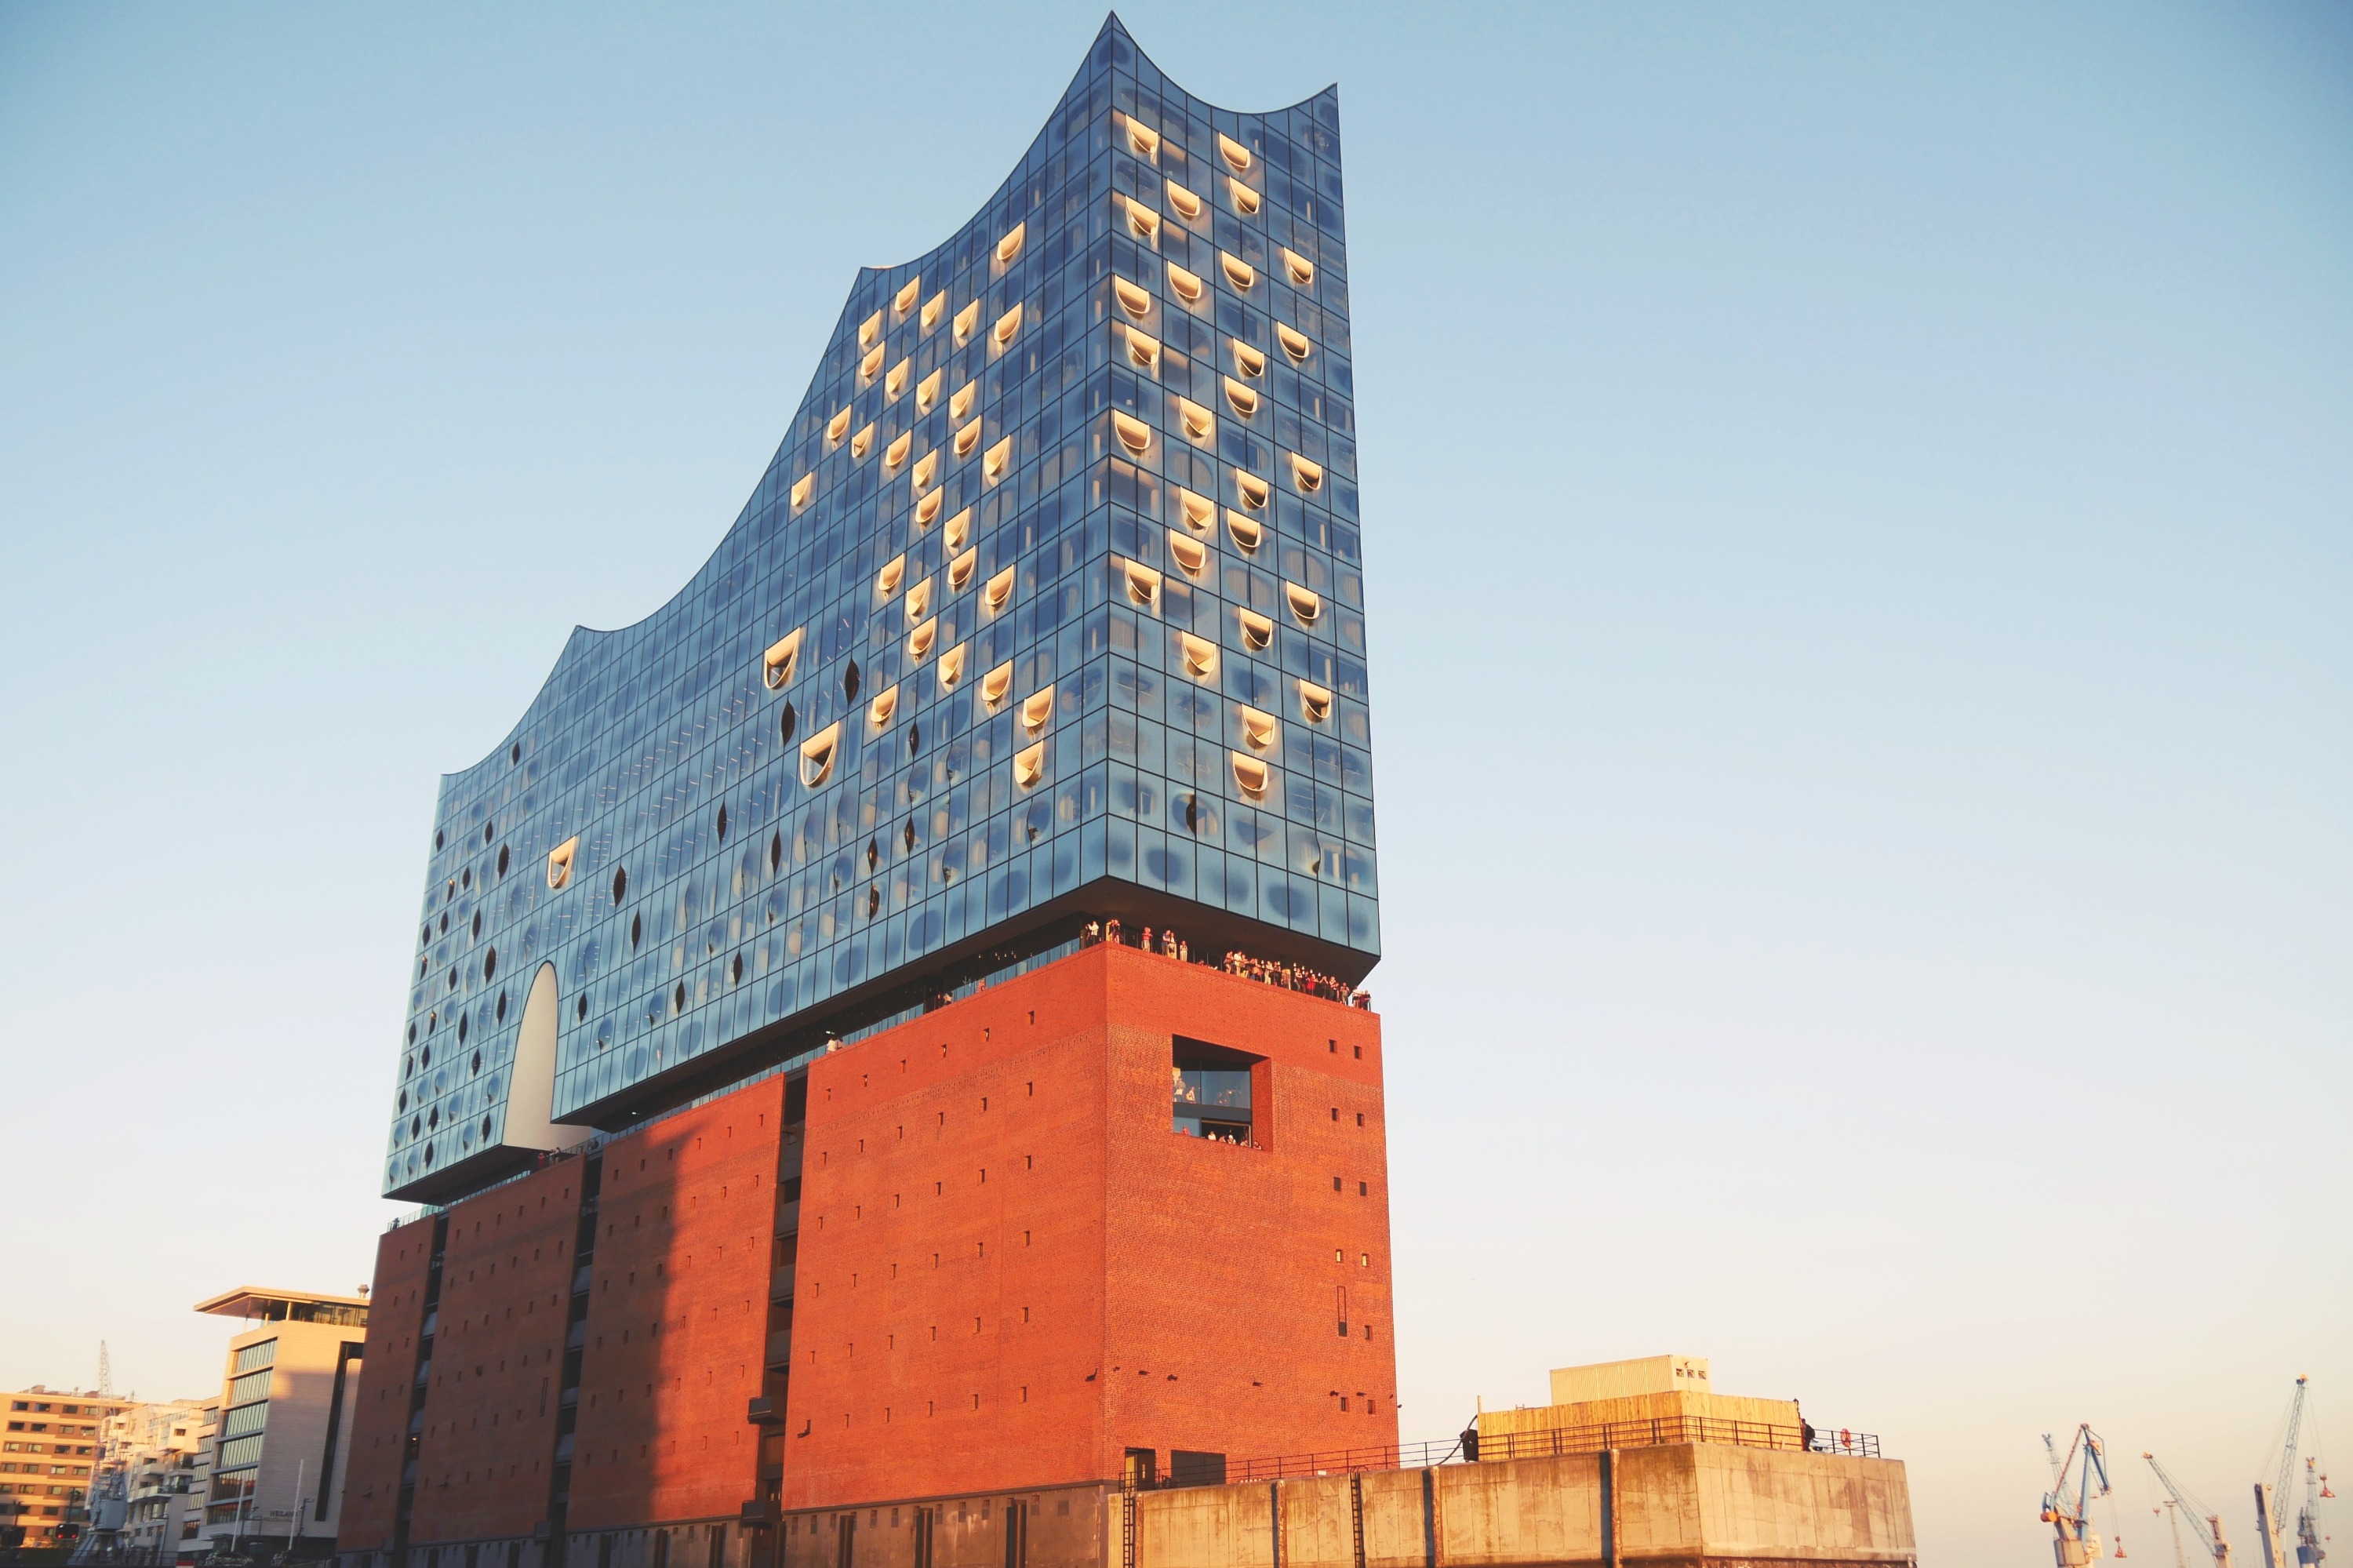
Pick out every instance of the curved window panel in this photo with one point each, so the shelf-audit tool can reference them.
(1007, 325)
(967, 321)
(1190, 554)
(1314, 702)
(1246, 200)
(919, 600)
(958, 533)
(1199, 423)
(803, 488)
(1258, 631)
(816, 755)
(869, 330)
(894, 455)
(1029, 765)
(999, 591)
(1136, 300)
(1251, 489)
(934, 308)
(1143, 352)
(1143, 585)
(967, 440)
(1142, 221)
(1246, 531)
(837, 428)
(862, 443)
(1133, 433)
(1144, 142)
(927, 392)
(951, 664)
(559, 862)
(904, 299)
(1248, 360)
(960, 403)
(870, 367)
(1237, 156)
(1260, 730)
(1305, 604)
(1250, 776)
(919, 641)
(961, 569)
(928, 507)
(1243, 398)
(1301, 271)
(783, 657)
(1308, 476)
(1200, 512)
(1010, 246)
(1186, 205)
(927, 471)
(996, 686)
(894, 385)
(1037, 708)
(1294, 342)
(997, 462)
(1187, 285)
(894, 572)
(1200, 656)
(884, 707)
(1238, 272)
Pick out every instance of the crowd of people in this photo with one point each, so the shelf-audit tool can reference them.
(1266, 971)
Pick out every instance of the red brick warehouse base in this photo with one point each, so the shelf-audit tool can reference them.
(985, 1259)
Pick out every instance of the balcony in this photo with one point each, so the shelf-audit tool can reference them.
(780, 1347)
(578, 1337)
(780, 1282)
(788, 1217)
(580, 1279)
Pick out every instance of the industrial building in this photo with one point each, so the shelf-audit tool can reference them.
(885, 1068)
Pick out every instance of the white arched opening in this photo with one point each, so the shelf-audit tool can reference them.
(531, 1092)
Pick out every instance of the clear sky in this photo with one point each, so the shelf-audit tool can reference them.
(1857, 532)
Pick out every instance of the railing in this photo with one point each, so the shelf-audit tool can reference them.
(1647, 1434)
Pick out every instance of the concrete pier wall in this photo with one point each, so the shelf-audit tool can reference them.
(1683, 1506)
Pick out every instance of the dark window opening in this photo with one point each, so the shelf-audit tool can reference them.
(1188, 1469)
(722, 819)
(1211, 1088)
(620, 884)
(786, 724)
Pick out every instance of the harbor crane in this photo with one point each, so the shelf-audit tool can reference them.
(2069, 1518)
(2204, 1522)
(2309, 1552)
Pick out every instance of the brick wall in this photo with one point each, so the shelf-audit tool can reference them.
(1108, 1282)
(1227, 1266)
(497, 1353)
(395, 1309)
(678, 1321)
(949, 1314)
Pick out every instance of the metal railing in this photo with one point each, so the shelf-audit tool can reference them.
(1552, 1440)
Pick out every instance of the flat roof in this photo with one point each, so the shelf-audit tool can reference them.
(252, 1300)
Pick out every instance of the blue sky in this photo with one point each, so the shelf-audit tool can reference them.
(1858, 546)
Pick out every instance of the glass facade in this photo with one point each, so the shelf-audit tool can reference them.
(1049, 605)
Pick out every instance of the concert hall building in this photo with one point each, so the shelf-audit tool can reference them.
(804, 1127)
